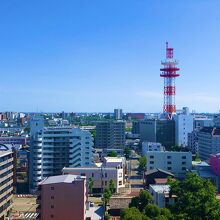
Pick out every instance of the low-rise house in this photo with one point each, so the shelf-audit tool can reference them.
(152, 175)
(161, 195)
(100, 175)
(204, 170)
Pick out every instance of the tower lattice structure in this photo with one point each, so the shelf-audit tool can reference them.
(169, 73)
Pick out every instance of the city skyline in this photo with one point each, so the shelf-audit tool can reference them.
(100, 55)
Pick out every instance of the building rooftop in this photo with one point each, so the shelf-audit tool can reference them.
(157, 170)
(61, 179)
(114, 159)
(161, 188)
(89, 168)
(201, 163)
(119, 202)
(206, 173)
(95, 213)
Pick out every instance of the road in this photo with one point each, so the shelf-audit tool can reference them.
(136, 180)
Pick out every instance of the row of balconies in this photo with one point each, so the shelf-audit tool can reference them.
(6, 184)
(6, 161)
(6, 169)
(6, 209)
(6, 193)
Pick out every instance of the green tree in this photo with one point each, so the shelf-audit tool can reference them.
(91, 184)
(127, 152)
(93, 132)
(166, 213)
(196, 199)
(112, 186)
(106, 197)
(152, 211)
(133, 214)
(142, 200)
(161, 217)
(112, 154)
(142, 163)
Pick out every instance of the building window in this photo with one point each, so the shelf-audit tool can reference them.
(168, 157)
(151, 168)
(92, 174)
(52, 197)
(52, 188)
(83, 174)
(183, 163)
(151, 157)
(169, 162)
(169, 168)
(105, 174)
(106, 183)
(183, 168)
(120, 183)
(151, 162)
(183, 157)
(52, 206)
(51, 216)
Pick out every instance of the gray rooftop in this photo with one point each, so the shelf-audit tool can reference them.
(155, 170)
(161, 188)
(61, 179)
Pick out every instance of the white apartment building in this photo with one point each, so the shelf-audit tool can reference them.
(177, 163)
(183, 126)
(100, 176)
(151, 146)
(118, 115)
(6, 182)
(53, 148)
(160, 195)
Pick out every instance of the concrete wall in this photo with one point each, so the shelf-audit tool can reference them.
(63, 201)
(100, 176)
(175, 162)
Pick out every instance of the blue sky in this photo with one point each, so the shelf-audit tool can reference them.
(97, 55)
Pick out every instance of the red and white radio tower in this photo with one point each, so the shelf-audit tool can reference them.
(169, 74)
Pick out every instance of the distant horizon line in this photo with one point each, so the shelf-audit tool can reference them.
(100, 112)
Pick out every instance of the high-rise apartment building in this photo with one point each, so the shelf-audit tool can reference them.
(53, 148)
(118, 115)
(136, 127)
(183, 126)
(6, 180)
(160, 131)
(208, 142)
(200, 122)
(192, 142)
(110, 135)
(62, 197)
